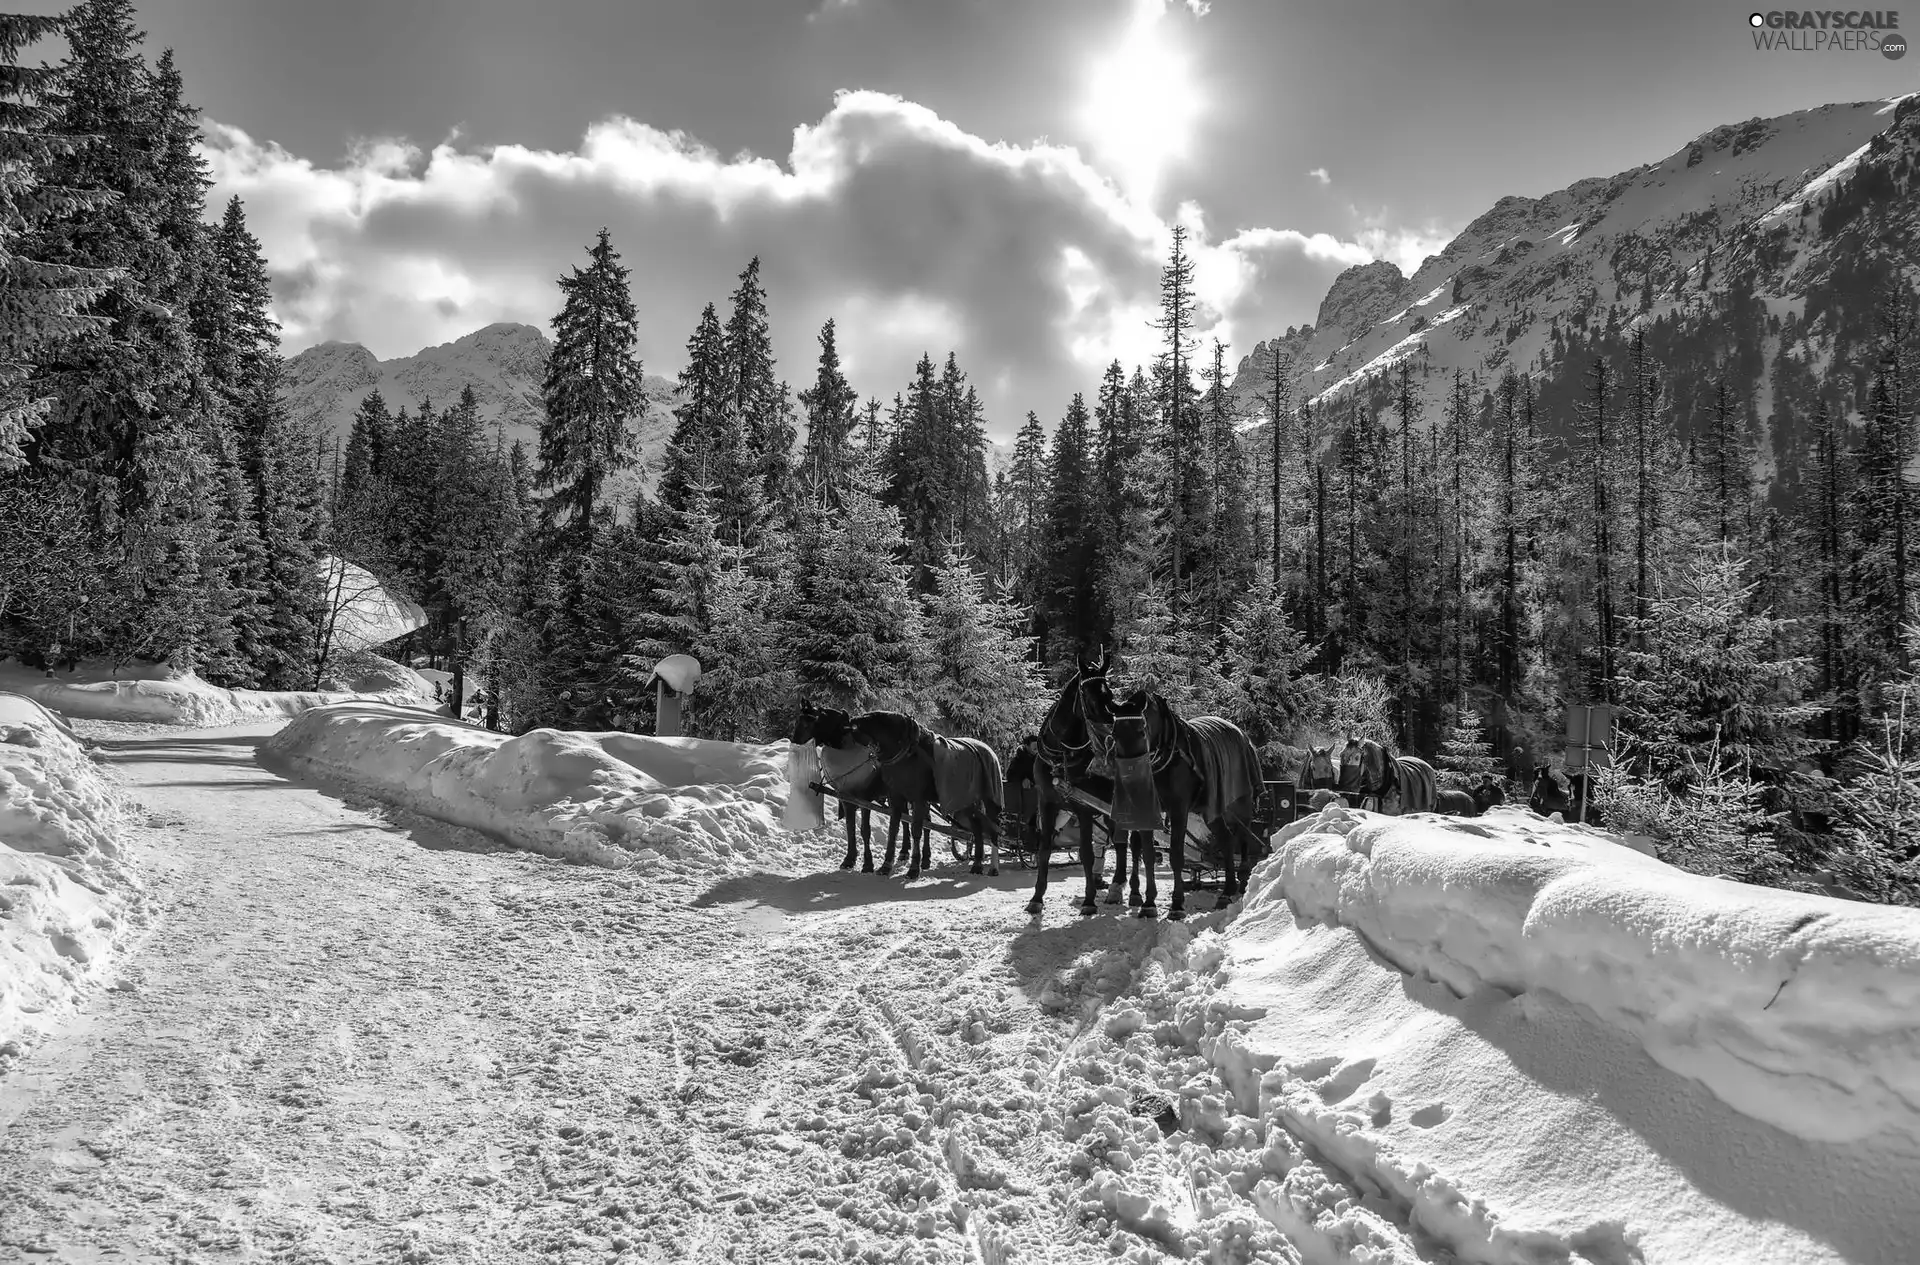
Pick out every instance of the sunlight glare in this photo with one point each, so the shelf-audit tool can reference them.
(1141, 101)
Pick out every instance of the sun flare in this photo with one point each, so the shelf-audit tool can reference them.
(1142, 99)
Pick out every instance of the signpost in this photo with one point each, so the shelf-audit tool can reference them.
(673, 677)
(1590, 732)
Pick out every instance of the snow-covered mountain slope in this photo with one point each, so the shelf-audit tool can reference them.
(503, 363)
(1741, 205)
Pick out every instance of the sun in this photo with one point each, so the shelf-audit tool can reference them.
(1141, 101)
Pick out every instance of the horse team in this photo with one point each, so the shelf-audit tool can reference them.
(1133, 760)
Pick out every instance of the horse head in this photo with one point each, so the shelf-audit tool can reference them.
(1096, 696)
(1319, 770)
(803, 724)
(1130, 734)
(885, 735)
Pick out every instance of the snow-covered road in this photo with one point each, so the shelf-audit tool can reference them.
(355, 1038)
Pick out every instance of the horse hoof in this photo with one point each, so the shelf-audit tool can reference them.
(1033, 906)
(913, 874)
(1133, 899)
(1113, 898)
(885, 869)
(1087, 910)
(974, 870)
(1176, 915)
(846, 865)
(994, 872)
(1146, 911)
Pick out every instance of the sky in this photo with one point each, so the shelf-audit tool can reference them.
(998, 178)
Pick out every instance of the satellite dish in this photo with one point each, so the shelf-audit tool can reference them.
(679, 671)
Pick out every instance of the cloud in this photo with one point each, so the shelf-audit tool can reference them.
(916, 235)
(1320, 174)
(826, 8)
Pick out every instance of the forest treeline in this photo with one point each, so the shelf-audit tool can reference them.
(1446, 579)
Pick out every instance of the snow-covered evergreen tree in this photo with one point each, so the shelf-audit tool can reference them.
(1266, 690)
(1464, 752)
(1712, 674)
(592, 392)
(981, 680)
(853, 631)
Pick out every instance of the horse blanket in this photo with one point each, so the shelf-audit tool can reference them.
(1227, 762)
(966, 775)
(1136, 805)
(1418, 788)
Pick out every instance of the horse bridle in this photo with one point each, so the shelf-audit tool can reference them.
(830, 782)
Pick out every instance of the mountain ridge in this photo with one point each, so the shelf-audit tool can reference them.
(504, 363)
(1682, 240)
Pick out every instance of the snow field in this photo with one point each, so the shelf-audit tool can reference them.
(67, 896)
(154, 694)
(610, 799)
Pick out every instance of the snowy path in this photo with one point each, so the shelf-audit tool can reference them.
(350, 1039)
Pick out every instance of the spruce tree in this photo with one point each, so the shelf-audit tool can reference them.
(757, 397)
(982, 681)
(1713, 674)
(1464, 752)
(40, 303)
(1178, 429)
(1268, 694)
(853, 630)
(1067, 539)
(1597, 437)
(831, 406)
(593, 392)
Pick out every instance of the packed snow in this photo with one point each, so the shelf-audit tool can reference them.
(613, 799)
(1504, 1039)
(1529, 1043)
(67, 894)
(153, 693)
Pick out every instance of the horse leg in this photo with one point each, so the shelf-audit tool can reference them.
(1119, 840)
(894, 811)
(1144, 858)
(1042, 853)
(993, 828)
(1231, 832)
(850, 817)
(975, 820)
(866, 838)
(1089, 861)
(1176, 859)
(921, 816)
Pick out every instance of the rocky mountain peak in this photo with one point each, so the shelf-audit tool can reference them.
(1360, 296)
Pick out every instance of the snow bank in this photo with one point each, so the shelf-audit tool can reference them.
(610, 799)
(66, 891)
(1802, 1011)
(156, 694)
(1522, 1042)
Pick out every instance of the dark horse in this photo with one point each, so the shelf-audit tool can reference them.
(1204, 765)
(921, 768)
(846, 767)
(1548, 799)
(1068, 758)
